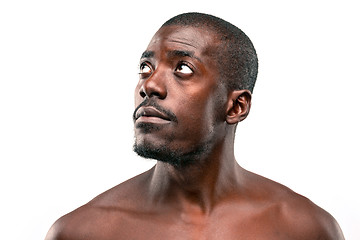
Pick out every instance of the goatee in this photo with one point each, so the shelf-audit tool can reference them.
(177, 158)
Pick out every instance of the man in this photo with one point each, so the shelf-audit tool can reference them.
(196, 79)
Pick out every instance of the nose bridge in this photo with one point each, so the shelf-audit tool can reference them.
(155, 85)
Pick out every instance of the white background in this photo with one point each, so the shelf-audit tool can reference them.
(67, 74)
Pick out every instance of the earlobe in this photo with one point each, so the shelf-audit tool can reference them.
(239, 103)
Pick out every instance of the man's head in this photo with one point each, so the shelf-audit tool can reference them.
(196, 78)
(236, 56)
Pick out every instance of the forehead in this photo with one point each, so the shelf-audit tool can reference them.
(201, 41)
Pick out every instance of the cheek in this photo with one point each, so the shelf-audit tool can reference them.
(197, 115)
(203, 116)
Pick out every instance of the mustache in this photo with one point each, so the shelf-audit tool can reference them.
(151, 103)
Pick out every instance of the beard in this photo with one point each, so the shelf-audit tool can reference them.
(176, 157)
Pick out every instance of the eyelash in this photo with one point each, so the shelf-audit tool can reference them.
(181, 63)
(142, 65)
(185, 64)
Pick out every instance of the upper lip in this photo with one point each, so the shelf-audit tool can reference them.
(150, 112)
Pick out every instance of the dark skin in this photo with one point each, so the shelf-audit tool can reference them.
(211, 198)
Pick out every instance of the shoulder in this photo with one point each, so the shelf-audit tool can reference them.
(304, 218)
(296, 215)
(71, 225)
(112, 208)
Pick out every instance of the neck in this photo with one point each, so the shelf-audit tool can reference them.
(200, 185)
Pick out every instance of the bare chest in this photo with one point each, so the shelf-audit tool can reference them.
(157, 227)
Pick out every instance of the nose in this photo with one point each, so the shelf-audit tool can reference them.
(154, 86)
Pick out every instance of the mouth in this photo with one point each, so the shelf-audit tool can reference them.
(151, 115)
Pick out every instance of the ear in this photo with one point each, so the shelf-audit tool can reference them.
(238, 106)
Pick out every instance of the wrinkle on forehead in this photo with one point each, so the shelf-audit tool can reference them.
(191, 36)
(200, 39)
(181, 41)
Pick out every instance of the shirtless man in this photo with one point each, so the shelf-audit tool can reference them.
(196, 79)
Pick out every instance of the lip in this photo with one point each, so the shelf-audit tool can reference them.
(151, 114)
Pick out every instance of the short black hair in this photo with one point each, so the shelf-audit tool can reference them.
(237, 59)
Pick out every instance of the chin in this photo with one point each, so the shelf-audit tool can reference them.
(175, 157)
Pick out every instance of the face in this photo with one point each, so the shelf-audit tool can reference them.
(179, 100)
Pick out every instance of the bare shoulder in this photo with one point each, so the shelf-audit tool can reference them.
(108, 211)
(307, 219)
(296, 215)
(71, 225)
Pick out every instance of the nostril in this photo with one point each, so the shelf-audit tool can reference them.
(142, 92)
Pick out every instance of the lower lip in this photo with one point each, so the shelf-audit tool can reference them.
(155, 120)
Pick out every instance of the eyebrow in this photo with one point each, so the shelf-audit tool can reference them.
(182, 53)
(174, 53)
(147, 54)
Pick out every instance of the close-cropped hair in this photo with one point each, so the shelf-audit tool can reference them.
(236, 56)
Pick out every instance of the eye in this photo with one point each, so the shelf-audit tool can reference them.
(184, 69)
(145, 68)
